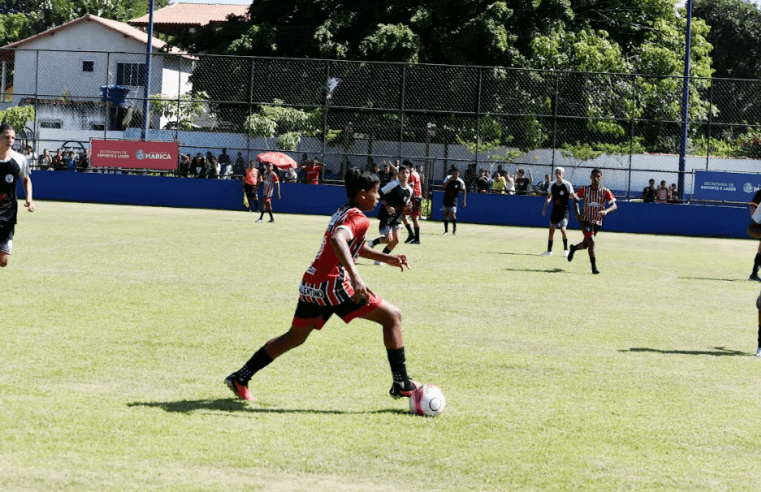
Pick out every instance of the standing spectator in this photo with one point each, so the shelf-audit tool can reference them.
(269, 180)
(522, 182)
(224, 161)
(510, 183)
(184, 166)
(452, 187)
(595, 197)
(544, 187)
(199, 166)
(673, 196)
(83, 164)
(71, 162)
(251, 185)
(559, 193)
(213, 168)
(499, 185)
(313, 170)
(385, 175)
(662, 194)
(46, 161)
(31, 157)
(482, 182)
(57, 160)
(648, 194)
(239, 168)
(291, 176)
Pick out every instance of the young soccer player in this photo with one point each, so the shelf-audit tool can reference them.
(269, 180)
(12, 167)
(452, 187)
(595, 197)
(754, 230)
(332, 284)
(558, 193)
(413, 237)
(395, 199)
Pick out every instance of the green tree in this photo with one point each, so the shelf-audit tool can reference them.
(180, 113)
(17, 116)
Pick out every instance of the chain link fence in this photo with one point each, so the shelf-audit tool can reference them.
(362, 114)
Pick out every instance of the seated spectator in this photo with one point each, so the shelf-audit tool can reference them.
(648, 194)
(313, 170)
(482, 182)
(213, 168)
(673, 195)
(662, 194)
(46, 161)
(58, 164)
(83, 164)
(71, 162)
(291, 176)
(184, 166)
(31, 157)
(510, 188)
(224, 161)
(543, 187)
(522, 182)
(199, 166)
(499, 185)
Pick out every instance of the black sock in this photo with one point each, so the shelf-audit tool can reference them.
(756, 263)
(398, 365)
(271, 217)
(549, 245)
(565, 244)
(446, 226)
(593, 261)
(261, 216)
(409, 229)
(257, 362)
(454, 226)
(417, 234)
(759, 336)
(256, 205)
(386, 250)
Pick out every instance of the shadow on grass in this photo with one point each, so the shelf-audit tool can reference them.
(718, 352)
(235, 405)
(719, 279)
(515, 254)
(551, 270)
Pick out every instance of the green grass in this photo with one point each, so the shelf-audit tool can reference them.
(120, 323)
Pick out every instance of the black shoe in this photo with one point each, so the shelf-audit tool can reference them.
(595, 271)
(573, 250)
(415, 241)
(238, 387)
(754, 276)
(410, 239)
(397, 391)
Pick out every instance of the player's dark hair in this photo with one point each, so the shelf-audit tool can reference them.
(595, 171)
(408, 164)
(5, 126)
(357, 180)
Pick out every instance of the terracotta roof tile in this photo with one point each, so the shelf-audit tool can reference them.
(191, 15)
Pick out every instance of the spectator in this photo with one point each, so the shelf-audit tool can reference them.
(224, 161)
(57, 160)
(291, 176)
(199, 166)
(31, 157)
(673, 195)
(385, 174)
(500, 185)
(83, 164)
(239, 168)
(482, 182)
(214, 168)
(71, 162)
(46, 161)
(510, 183)
(543, 187)
(648, 194)
(662, 194)
(313, 170)
(423, 182)
(522, 183)
(184, 167)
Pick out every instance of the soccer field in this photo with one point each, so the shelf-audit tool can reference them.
(120, 324)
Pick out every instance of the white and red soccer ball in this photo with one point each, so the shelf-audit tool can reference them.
(428, 400)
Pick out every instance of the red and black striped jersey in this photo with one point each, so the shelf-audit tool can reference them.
(594, 202)
(326, 280)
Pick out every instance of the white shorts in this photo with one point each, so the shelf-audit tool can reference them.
(559, 224)
(449, 210)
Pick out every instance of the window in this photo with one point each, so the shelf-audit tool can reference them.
(51, 124)
(130, 74)
(88, 65)
(97, 126)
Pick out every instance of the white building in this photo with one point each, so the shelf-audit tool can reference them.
(74, 61)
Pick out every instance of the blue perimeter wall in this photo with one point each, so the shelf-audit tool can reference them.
(635, 217)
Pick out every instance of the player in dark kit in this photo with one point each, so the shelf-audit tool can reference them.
(754, 230)
(396, 197)
(558, 193)
(452, 187)
(12, 167)
(595, 197)
(332, 285)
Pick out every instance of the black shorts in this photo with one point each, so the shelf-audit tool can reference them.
(6, 238)
(308, 313)
(590, 229)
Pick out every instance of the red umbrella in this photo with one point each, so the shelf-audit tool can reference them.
(277, 159)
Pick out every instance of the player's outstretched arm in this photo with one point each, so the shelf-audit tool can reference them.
(393, 260)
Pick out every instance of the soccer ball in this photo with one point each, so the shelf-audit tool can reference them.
(427, 400)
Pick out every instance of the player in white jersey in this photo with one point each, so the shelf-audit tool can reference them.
(13, 166)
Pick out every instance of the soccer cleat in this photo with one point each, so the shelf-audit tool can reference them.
(410, 239)
(445, 232)
(239, 388)
(397, 392)
(271, 220)
(573, 250)
(595, 271)
(565, 252)
(754, 276)
(258, 220)
(758, 352)
(547, 253)
(377, 262)
(414, 241)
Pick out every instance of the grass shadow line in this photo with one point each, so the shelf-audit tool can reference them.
(717, 352)
(553, 270)
(236, 405)
(716, 279)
